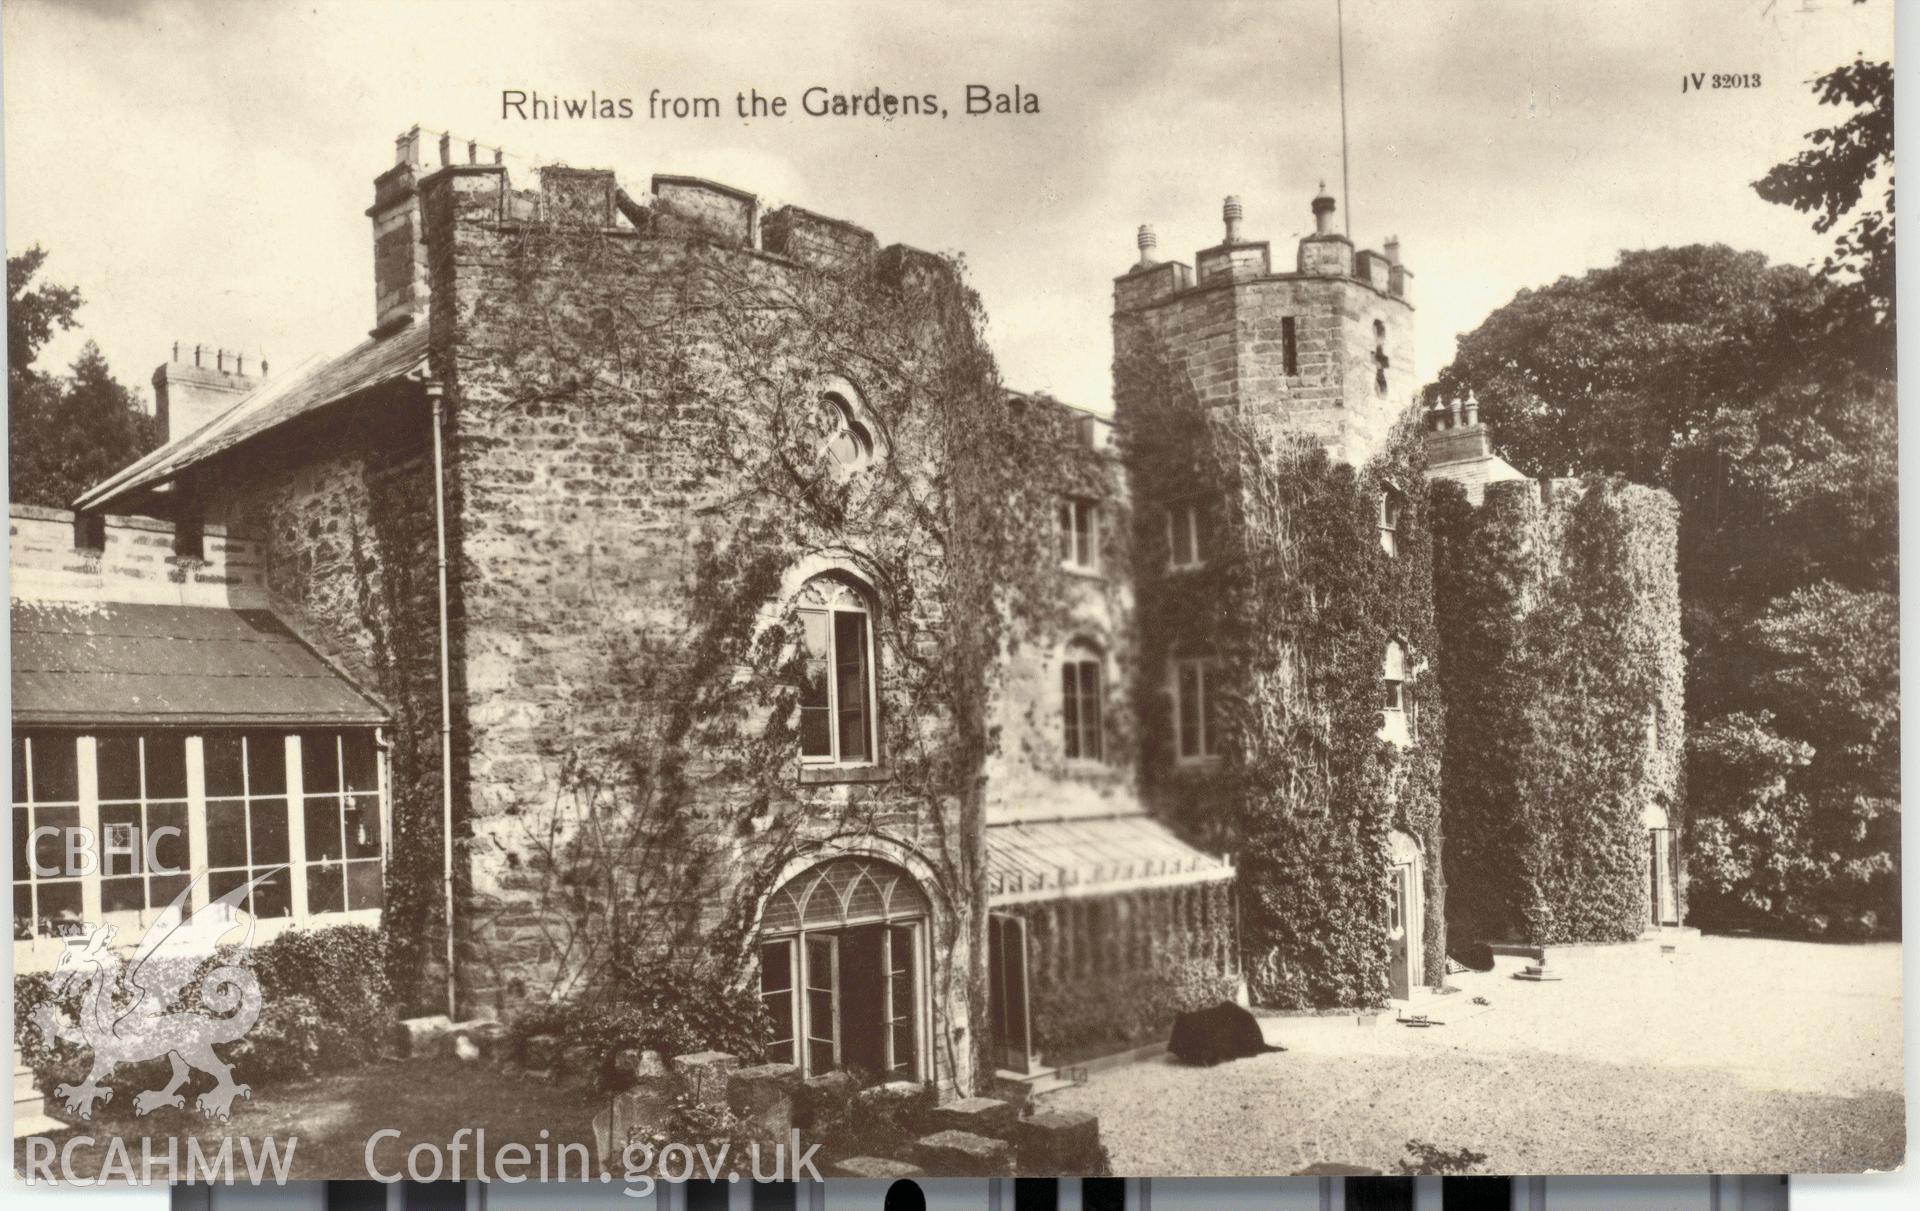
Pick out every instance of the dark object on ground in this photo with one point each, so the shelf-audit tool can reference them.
(1481, 1001)
(1225, 1032)
(1474, 956)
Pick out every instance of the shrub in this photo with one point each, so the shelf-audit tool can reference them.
(672, 1007)
(325, 1006)
(1080, 1019)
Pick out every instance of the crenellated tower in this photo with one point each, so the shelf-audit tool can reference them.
(1324, 348)
(1214, 365)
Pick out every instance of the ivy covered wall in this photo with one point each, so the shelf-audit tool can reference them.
(1296, 603)
(636, 442)
(1559, 614)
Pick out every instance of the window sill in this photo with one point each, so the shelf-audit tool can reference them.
(1196, 765)
(1083, 570)
(1178, 569)
(828, 775)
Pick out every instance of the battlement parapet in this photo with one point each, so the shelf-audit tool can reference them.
(1323, 254)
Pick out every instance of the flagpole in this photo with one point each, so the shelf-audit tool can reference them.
(1346, 186)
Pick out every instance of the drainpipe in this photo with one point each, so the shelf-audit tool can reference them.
(435, 393)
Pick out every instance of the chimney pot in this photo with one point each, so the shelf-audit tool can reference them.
(1147, 242)
(1453, 414)
(1472, 410)
(1231, 212)
(1323, 207)
(1393, 250)
(196, 355)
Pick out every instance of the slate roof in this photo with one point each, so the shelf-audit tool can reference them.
(131, 665)
(1062, 859)
(309, 387)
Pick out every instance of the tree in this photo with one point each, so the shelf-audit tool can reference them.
(33, 315)
(1719, 377)
(1829, 179)
(63, 435)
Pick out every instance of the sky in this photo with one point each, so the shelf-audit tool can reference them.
(200, 170)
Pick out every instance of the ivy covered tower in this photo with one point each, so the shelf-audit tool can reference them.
(1273, 442)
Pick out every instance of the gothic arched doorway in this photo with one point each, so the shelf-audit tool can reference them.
(1406, 916)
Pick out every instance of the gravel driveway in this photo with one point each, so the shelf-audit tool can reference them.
(1736, 1055)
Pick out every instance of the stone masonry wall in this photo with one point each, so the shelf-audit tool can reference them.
(625, 565)
(344, 519)
(1029, 776)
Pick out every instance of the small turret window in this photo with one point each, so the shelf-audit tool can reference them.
(1397, 724)
(1392, 506)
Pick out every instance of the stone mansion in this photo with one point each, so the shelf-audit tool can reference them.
(631, 590)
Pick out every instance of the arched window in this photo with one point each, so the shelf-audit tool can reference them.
(850, 444)
(1082, 691)
(842, 954)
(837, 691)
(1397, 703)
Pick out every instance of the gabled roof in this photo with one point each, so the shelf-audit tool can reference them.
(314, 384)
(117, 664)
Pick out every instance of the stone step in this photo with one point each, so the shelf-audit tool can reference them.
(962, 1153)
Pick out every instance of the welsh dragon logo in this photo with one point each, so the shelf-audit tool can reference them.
(128, 1011)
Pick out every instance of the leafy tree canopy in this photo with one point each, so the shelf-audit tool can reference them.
(63, 434)
(1830, 178)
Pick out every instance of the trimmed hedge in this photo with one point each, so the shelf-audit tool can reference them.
(325, 1005)
(1560, 612)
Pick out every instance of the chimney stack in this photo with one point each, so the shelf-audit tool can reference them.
(399, 238)
(1231, 213)
(1147, 242)
(188, 394)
